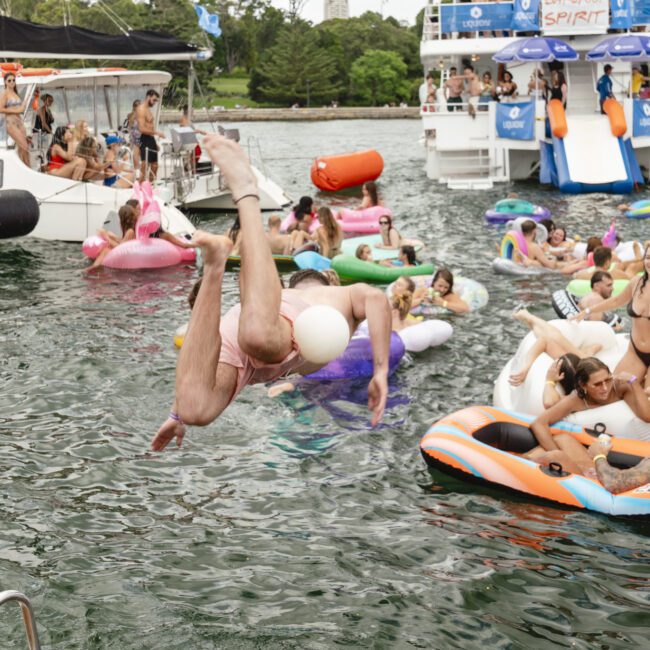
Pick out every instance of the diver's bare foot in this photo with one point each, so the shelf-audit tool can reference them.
(214, 248)
(590, 350)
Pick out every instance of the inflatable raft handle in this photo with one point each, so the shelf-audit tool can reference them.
(599, 428)
(554, 469)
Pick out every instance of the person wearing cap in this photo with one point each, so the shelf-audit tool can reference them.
(637, 81)
(118, 172)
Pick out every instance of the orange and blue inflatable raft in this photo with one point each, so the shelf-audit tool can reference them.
(486, 444)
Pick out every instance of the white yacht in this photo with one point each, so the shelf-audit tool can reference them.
(467, 148)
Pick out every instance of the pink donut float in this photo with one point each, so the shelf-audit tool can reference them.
(367, 214)
(150, 253)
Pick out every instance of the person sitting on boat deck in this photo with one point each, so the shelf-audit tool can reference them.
(128, 218)
(558, 88)
(12, 108)
(594, 387)
(602, 285)
(549, 340)
(507, 88)
(536, 255)
(117, 173)
(605, 87)
(95, 167)
(603, 262)
(453, 89)
(329, 235)
(254, 341)
(148, 144)
(60, 162)
(636, 294)
(284, 244)
(79, 132)
(616, 480)
(390, 237)
(441, 293)
(370, 193)
(44, 118)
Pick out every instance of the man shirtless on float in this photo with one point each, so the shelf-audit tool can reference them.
(253, 342)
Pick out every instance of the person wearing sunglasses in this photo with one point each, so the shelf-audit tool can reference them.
(594, 386)
(12, 108)
(390, 237)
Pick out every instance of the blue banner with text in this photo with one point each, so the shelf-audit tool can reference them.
(641, 118)
(476, 17)
(622, 14)
(516, 121)
(525, 17)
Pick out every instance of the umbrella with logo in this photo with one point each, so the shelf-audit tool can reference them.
(537, 49)
(626, 47)
(541, 49)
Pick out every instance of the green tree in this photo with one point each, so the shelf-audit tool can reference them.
(379, 77)
(297, 70)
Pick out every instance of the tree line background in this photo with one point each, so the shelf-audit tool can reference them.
(264, 57)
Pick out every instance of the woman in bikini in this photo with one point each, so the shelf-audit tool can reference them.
(390, 237)
(12, 108)
(60, 160)
(637, 296)
(595, 386)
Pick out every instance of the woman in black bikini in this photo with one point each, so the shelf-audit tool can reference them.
(636, 360)
(559, 89)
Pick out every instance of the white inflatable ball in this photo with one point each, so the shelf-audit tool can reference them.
(322, 333)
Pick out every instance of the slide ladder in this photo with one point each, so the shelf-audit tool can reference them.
(588, 151)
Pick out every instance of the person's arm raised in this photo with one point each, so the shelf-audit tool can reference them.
(368, 302)
(541, 427)
(610, 304)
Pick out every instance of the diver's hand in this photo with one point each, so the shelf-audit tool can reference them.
(377, 396)
(169, 430)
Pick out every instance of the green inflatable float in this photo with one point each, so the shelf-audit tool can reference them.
(581, 288)
(351, 269)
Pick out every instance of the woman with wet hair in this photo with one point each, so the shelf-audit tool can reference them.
(370, 195)
(594, 387)
(441, 293)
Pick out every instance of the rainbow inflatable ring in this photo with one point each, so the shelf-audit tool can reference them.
(486, 443)
(512, 242)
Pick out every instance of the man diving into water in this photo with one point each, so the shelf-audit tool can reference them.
(253, 342)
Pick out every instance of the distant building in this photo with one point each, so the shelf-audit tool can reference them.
(336, 9)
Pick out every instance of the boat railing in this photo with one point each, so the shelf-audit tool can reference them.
(29, 620)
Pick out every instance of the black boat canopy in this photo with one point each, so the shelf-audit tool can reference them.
(22, 39)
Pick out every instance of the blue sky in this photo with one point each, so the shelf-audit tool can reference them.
(400, 9)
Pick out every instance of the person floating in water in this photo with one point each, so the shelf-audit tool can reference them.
(254, 341)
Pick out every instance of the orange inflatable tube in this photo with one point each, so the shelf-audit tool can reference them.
(333, 173)
(488, 444)
(557, 118)
(614, 112)
(10, 67)
(38, 72)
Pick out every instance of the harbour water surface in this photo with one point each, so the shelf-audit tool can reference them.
(288, 523)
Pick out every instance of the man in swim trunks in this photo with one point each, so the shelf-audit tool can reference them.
(453, 89)
(254, 342)
(602, 285)
(148, 144)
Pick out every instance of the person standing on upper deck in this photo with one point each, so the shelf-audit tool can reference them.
(148, 144)
(474, 85)
(605, 87)
(453, 89)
